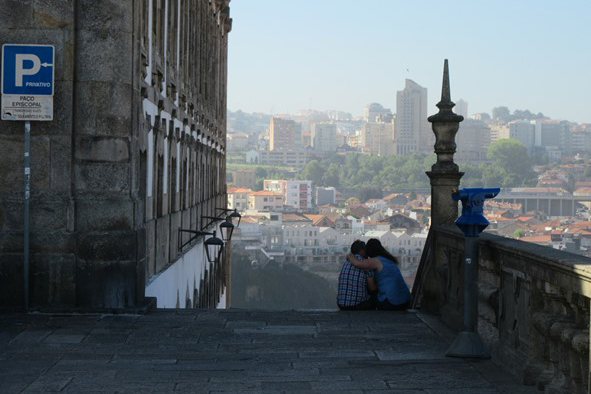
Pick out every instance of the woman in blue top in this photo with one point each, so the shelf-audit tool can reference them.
(393, 293)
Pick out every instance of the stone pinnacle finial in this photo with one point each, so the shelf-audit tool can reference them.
(445, 91)
(445, 105)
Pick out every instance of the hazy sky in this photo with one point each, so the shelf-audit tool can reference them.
(287, 55)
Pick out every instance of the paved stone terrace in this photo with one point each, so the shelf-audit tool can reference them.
(238, 351)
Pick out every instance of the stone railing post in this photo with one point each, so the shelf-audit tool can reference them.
(444, 175)
(428, 290)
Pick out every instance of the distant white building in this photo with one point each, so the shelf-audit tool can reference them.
(333, 241)
(376, 204)
(324, 137)
(371, 225)
(387, 238)
(472, 140)
(301, 238)
(412, 131)
(377, 138)
(375, 111)
(265, 200)
(523, 131)
(249, 232)
(329, 236)
(581, 141)
(357, 225)
(291, 158)
(461, 108)
(237, 141)
(407, 248)
(238, 198)
(297, 194)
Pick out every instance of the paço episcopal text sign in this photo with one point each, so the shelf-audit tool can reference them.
(27, 82)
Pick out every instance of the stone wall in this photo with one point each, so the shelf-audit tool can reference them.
(136, 150)
(534, 305)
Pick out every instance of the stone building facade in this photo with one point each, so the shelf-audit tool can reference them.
(136, 151)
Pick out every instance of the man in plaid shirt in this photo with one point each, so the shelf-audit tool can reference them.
(355, 284)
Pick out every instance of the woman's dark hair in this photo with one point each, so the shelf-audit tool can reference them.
(357, 246)
(374, 248)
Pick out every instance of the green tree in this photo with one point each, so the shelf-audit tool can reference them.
(331, 176)
(472, 175)
(501, 113)
(492, 176)
(510, 157)
(260, 185)
(313, 171)
(352, 201)
(540, 157)
(261, 172)
(428, 161)
(365, 193)
(518, 233)
(356, 171)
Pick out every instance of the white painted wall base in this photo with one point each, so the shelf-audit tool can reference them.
(173, 286)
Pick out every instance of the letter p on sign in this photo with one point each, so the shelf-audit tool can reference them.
(20, 69)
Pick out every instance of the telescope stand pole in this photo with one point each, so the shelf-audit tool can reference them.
(468, 343)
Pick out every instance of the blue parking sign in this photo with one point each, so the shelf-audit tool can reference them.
(28, 69)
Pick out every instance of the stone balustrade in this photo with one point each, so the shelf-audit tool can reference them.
(534, 304)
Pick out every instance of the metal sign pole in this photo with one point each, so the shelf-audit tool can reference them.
(26, 90)
(26, 213)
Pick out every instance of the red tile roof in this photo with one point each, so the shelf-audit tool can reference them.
(266, 193)
(537, 238)
(317, 219)
(249, 219)
(293, 217)
(583, 191)
(233, 190)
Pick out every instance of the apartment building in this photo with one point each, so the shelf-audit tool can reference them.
(412, 131)
(285, 134)
(377, 138)
(238, 198)
(472, 140)
(245, 178)
(297, 194)
(324, 137)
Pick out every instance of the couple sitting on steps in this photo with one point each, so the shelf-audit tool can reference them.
(370, 279)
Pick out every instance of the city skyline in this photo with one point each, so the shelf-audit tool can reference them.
(344, 54)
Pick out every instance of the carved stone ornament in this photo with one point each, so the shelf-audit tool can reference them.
(445, 125)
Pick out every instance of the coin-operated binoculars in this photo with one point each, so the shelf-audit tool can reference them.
(472, 222)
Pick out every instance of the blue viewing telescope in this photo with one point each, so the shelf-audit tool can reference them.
(468, 342)
(472, 222)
